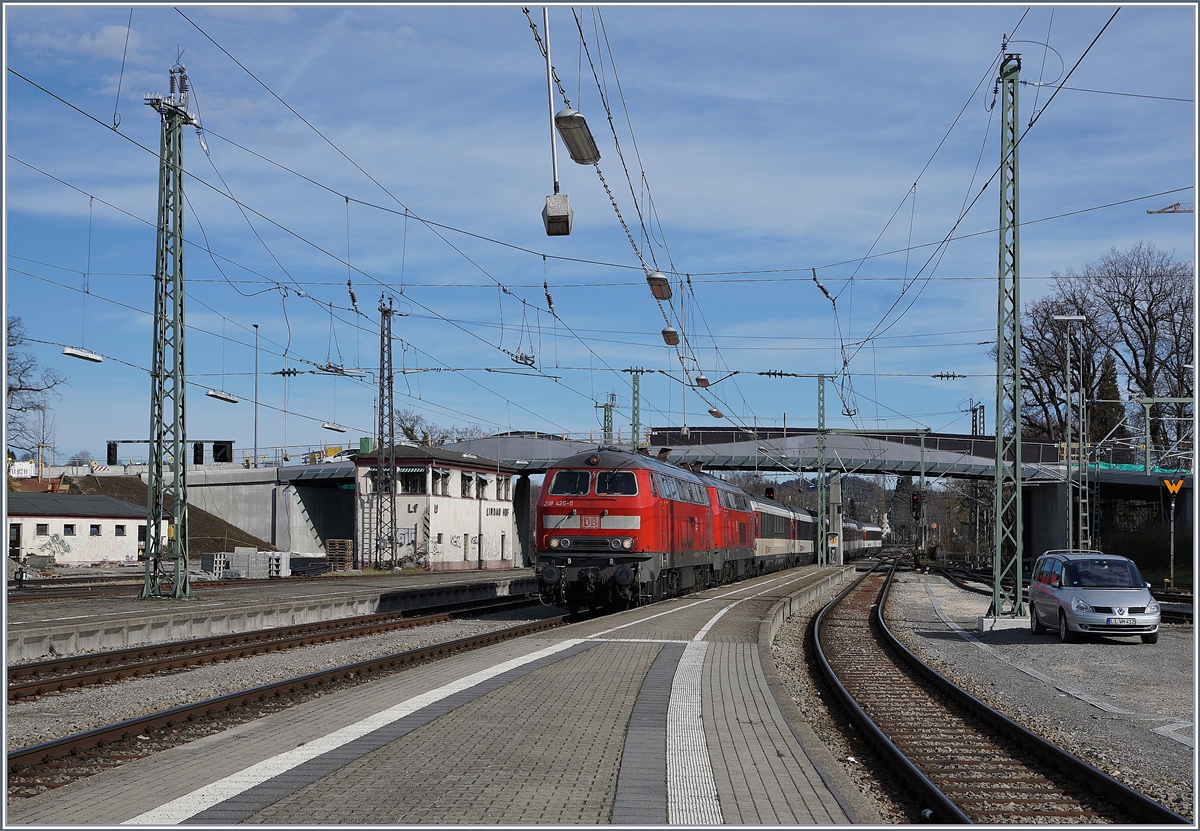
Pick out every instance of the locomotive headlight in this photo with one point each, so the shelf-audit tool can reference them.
(627, 543)
(554, 542)
(565, 543)
(615, 543)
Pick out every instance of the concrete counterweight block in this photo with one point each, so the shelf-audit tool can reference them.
(557, 216)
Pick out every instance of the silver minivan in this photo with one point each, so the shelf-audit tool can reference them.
(1091, 592)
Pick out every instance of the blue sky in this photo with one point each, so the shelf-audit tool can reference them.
(765, 142)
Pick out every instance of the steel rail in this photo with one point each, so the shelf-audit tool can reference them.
(34, 679)
(1135, 802)
(216, 707)
(938, 804)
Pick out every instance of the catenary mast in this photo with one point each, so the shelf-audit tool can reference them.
(1007, 600)
(168, 434)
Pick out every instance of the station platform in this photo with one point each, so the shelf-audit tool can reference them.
(43, 628)
(669, 714)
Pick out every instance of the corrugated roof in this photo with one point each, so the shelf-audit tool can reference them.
(72, 505)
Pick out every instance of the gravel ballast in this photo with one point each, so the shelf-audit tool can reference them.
(1123, 706)
(75, 711)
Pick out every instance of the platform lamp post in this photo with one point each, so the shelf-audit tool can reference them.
(557, 216)
(1069, 319)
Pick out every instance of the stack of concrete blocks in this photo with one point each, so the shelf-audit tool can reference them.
(247, 562)
(279, 564)
(214, 563)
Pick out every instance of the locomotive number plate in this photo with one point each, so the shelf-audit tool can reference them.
(591, 521)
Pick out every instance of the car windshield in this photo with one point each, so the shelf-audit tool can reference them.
(616, 482)
(570, 483)
(1104, 574)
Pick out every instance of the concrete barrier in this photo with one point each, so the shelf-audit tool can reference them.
(34, 640)
(826, 588)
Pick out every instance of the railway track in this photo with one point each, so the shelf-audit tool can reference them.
(968, 763)
(28, 681)
(72, 588)
(34, 769)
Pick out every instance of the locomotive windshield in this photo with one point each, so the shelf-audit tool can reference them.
(570, 483)
(616, 483)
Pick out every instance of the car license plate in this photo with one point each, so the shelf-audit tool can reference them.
(1122, 621)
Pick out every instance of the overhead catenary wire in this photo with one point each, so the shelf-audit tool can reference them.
(362, 170)
(879, 328)
(690, 311)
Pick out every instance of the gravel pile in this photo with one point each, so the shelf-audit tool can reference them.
(74, 711)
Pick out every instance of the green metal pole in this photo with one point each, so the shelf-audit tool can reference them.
(1007, 504)
(168, 422)
(822, 480)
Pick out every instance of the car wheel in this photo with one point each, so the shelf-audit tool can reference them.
(1150, 638)
(1035, 625)
(1064, 631)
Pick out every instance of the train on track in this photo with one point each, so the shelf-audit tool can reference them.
(619, 529)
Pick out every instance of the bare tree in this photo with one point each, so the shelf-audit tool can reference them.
(1139, 333)
(420, 430)
(42, 428)
(28, 390)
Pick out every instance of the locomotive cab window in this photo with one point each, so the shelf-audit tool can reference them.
(616, 483)
(570, 483)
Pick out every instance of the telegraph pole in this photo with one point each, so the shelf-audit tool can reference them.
(1006, 563)
(168, 435)
(385, 442)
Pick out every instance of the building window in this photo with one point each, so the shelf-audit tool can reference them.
(119, 531)
(43, 529)
(481, 484)
(445, 482)
(467, 480)
(94, 531)
(69, 530)
(439, 539)
(412, 482)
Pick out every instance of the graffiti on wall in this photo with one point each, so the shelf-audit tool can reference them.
(56, 546)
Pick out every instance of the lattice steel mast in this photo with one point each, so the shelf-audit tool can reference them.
(1007, 600)
(385, 463)
(168, 434)
(822, 478)
(635, 432)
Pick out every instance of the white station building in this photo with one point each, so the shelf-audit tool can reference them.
(454, 511)
(75, 529)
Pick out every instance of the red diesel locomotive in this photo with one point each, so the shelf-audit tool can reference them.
(622, 528)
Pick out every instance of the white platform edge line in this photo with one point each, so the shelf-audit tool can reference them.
(190, 804)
